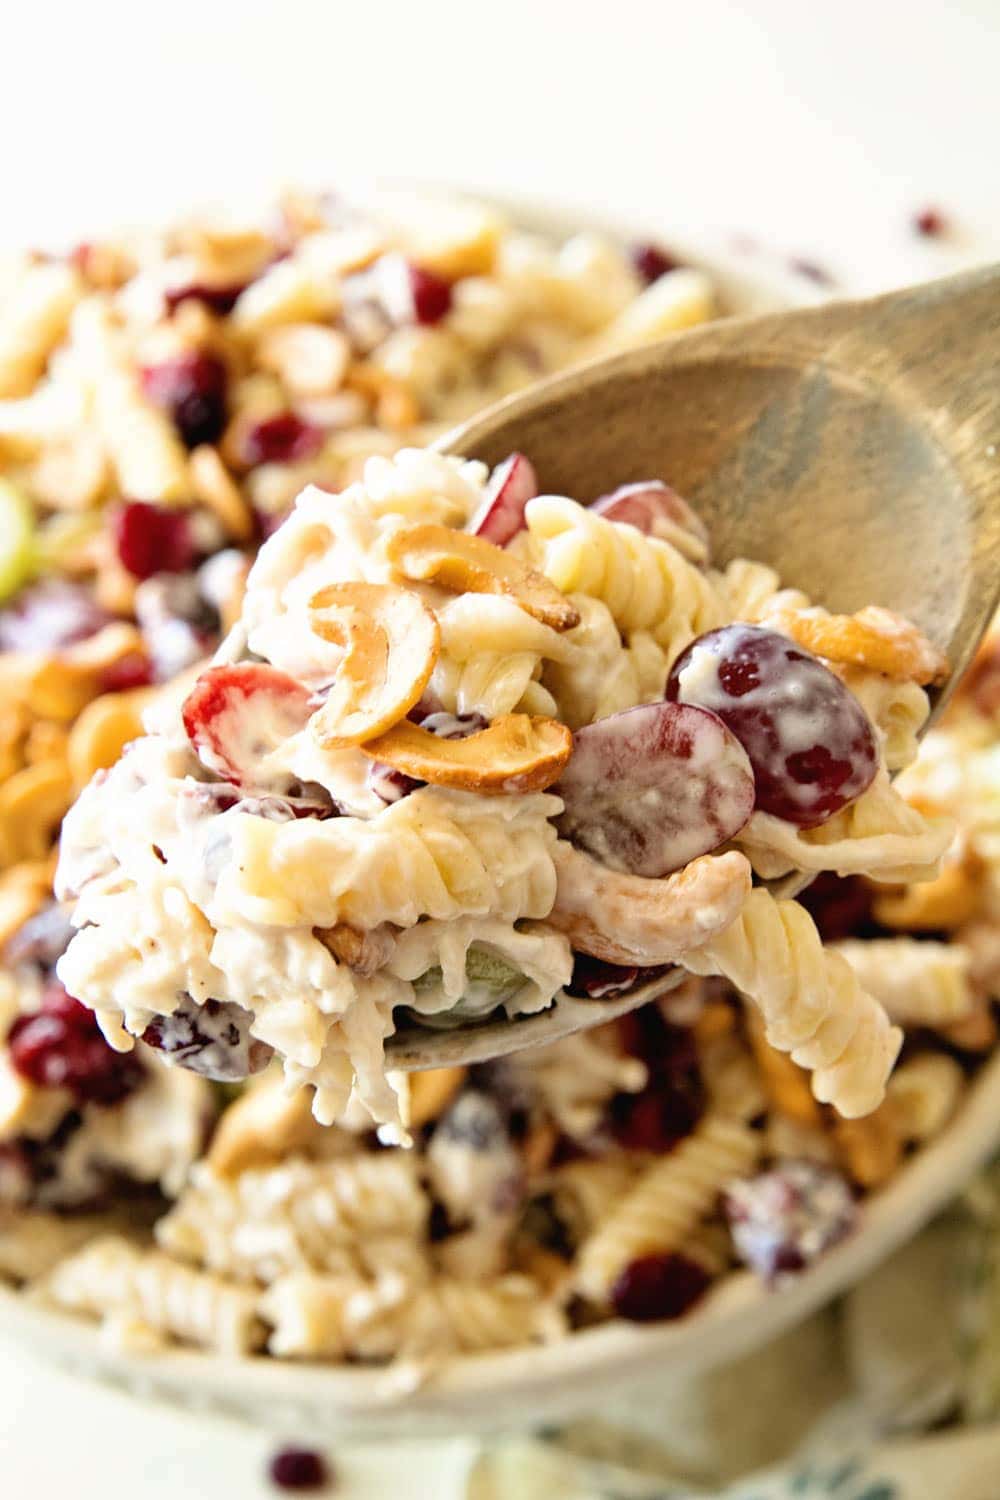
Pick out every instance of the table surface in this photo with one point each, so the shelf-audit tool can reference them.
(816, 131)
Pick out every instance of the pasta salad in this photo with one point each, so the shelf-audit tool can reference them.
(624, 1172)
(464, 736)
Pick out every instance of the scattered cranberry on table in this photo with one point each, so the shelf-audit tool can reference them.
(300, 1469)
(930, 222)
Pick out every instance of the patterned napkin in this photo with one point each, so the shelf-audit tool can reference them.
(888, 1396)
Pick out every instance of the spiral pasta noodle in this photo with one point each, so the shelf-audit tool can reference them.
(113, 1276)
(879, 835)
(645, 583)
(667, 1202)
(918, 983)
(811, 1001)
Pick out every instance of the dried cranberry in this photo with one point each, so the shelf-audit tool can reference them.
(132, 671)
(192, 388)
(152, 539)
(42, 939)
(61, 1047)
(841, 906)
(281, 439)
(50, 614)
(930, 222)
(597, 980)
(388, 783)
(667, 1050)
(656, 1287)
(811, 744)
(218, 299)
(659, 1117)
(299, 1469)
(652, 261)
(212, 1039)
(431, 295)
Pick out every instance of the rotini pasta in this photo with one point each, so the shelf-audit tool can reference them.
(645, 583)
(112, 1276)
(918, 983)
(812, 1005)
(879, 835)
(667, 1202)
(317, 1216)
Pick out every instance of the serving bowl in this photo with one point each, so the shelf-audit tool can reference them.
(539, 1384)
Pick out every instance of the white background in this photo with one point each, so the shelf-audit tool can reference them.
(818, 128)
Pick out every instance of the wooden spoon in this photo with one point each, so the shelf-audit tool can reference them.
(854, 447)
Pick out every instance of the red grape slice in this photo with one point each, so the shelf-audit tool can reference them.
(811, 744)
(501, 515)
(648, 790)
(656, 509)
(236, 715)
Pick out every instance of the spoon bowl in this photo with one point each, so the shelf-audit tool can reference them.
(854, 447)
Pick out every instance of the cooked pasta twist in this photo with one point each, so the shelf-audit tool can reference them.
(918, 983)
(111, 1276)
(645, 583)
(878, 835)
(667, 1202)
(811, 1001)
(602, 673)
(297, 1216)
(337, 1316)
(435, 853)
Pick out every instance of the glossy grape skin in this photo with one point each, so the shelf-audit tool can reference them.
(651, 788)
(811, 744)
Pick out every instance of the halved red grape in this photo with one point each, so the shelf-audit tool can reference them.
(237, 715)
(811, 744)
(653, 507)
(649, 789)
(501, 515)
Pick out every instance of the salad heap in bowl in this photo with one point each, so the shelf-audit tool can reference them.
(462, 746)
